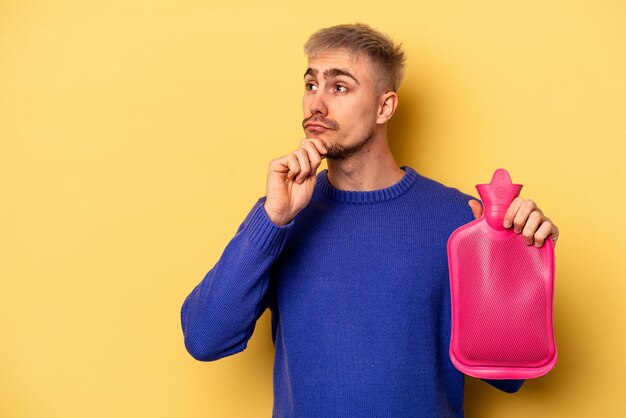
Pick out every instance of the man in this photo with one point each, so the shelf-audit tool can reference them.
(351, 261)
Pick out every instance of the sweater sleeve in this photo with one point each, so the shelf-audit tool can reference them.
(219, 315)
(508, 386)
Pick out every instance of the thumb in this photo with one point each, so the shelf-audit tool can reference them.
(477, 208)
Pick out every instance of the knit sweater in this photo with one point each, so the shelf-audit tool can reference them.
(358, 287)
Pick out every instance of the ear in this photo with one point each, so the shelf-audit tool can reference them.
(387, 106)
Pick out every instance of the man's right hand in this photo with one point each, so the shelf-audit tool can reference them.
(291, 181)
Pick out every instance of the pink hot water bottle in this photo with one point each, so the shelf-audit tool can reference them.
(502, 293)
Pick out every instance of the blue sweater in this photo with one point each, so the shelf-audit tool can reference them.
(358, 287)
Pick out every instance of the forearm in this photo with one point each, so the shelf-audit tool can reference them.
(219, 315)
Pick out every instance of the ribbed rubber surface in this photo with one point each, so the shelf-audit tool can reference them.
(502, 300)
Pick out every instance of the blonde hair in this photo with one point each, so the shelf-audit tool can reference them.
(360, 38)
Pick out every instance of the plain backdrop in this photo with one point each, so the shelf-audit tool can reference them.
(136, 136)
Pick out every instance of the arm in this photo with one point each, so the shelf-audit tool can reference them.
(219, 315)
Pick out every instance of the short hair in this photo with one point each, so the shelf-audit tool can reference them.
(361, 38)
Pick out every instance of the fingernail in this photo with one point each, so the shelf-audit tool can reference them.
(507, 223)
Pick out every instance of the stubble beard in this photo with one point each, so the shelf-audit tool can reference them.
(338, 152)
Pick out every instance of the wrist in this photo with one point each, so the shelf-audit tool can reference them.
(276, 220)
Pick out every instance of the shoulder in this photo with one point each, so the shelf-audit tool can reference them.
(447, 191)
(447, 201)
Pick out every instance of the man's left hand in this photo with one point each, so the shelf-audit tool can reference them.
(526, 218)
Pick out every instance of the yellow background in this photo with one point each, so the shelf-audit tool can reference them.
(136, 136)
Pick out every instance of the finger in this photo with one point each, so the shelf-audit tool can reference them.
(509, 216)
(293, 165)
(281, 164)
(554, 234)
(319, 145)
(525, 209)
(305, 166)
(532, 225)
(477, 209)
(315, 158)
(543, 232)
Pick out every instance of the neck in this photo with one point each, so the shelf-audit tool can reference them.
(373, 168)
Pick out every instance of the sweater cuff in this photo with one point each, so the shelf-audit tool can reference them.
(268, 237)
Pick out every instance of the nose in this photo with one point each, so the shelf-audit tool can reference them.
(318, 103)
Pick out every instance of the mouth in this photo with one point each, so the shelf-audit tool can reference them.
(316, 127)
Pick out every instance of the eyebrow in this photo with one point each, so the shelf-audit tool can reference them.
(331, 72)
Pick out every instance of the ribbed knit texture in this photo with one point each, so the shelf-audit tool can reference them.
(358, 288)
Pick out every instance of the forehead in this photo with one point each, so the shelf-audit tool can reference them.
(358, 64)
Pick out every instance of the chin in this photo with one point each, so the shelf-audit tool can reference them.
(322, 136)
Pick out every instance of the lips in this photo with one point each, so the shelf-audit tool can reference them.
(316, 126)
(319, 123)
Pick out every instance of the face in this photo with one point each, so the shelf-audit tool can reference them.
(340, 103)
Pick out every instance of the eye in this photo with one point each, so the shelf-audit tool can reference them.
(339, 88)
(310, 86)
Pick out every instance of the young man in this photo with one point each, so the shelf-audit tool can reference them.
(351, 261)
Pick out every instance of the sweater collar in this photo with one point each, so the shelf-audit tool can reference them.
(370, 196)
